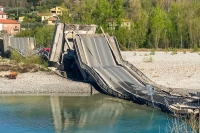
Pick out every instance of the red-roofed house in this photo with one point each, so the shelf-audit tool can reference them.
(51, 21)
(11, 26)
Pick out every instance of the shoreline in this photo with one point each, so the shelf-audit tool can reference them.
(179, 72)
(43, 83)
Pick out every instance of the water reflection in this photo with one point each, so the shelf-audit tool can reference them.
(97, 113)
(100, 113)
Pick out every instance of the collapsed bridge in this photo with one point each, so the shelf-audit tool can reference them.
(98, 58)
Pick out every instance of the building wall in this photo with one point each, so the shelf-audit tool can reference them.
(124, 24)
(21, 19)
(45, 17)
(1, 27)
(51, 22)
(3, 16)
(11, 28)
(1, 9)
(57, 11)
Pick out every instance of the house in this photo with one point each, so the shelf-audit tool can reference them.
(51, 17)
(125, 23)
(57, 11)
(52, 20)
(3, 15)
(45, 16)
(8, 25)
(11, 26)
(21, 19)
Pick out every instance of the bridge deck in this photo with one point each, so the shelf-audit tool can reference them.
(104, 63)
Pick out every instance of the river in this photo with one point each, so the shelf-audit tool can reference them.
(78, 114)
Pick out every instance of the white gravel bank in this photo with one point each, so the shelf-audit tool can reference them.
(180, 71)
(41, 82)
(174, 71)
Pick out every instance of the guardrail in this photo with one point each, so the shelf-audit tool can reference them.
(52, 41)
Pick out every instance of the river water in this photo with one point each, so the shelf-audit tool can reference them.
(78, 114)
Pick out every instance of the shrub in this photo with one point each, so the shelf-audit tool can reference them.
(188, 124)
(166, 50)
(152, 52)
(195, 48)
(35, 59)
(174, 51)
(184, 51)
(29, 63)
(150, 59)
(17, 57)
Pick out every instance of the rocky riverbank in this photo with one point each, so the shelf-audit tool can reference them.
(178, 71)
(42, 83)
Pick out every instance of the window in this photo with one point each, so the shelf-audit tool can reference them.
(15, 27)
(1, 16)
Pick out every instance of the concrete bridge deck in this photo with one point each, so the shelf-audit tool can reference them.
(99, 59)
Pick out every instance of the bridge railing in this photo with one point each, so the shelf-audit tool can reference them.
(52, 41)
(101, 83)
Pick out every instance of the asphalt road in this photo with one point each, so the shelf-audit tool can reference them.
(101, 59)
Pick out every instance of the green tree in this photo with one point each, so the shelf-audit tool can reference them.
(44, 35)
(140, 30)
(101, 13)
(177, 18)
(117, 12)
(87, 11)
(65, 17)
(157, 25)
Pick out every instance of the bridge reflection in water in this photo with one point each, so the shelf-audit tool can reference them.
(97, 113)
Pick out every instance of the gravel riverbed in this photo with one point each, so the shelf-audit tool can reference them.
(42, 83)
(179, 71)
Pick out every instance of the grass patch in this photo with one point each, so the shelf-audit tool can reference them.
(195, 48)
(16, 57)
(29, 64)
(150, 59)
(188, 124)
(166, 50)
(152, 52)
(174, 51)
